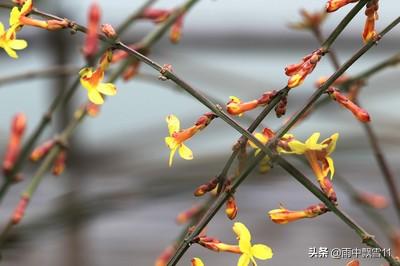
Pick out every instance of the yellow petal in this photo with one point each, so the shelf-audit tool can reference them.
(297, 147)
(245, 245)
(173, 124)
(185, 152)
(26, 7)
(95, 97)
(331, 166)
(107, 89)
(86, 72)
(313, 139)
(1, 29)
(171, 142)
(332, 143)
(171, 156)
(241, 231)
(244, 260)
(261, 252)
(10, 52)
(235, 99)
(18, 44)
(14, 16)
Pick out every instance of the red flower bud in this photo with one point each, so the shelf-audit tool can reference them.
(186, 215)
(59, 163)
(41, 150)
(373, 200)
(176, 30)
(231, 209)
(92, 43)
(361, 114)
(18, 126)
(20, 210)
(155, 15)
(165, 256)
(207, 187)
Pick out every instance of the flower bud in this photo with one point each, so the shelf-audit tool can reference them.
(20, 210)
(59, 163)
(92, 43)
(131, 71)
(187, 215)
(18, 126)
(353, 263)
(165, 256)
(284, 216)
(357, 111)
(108, 30)
(334, 5)
(236, 107)
(298, 72)
(197, 262)
(41, 150)
(373, 200)
(207, 187)
(205, 120)
(372, 15)
(231, 209)
(175, 33)
(155, 15)
(92, 109)
(310, 20)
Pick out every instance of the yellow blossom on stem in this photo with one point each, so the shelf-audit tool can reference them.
(92, 80)
(197, 262)
(18, 16)
(263, 137)
(177, 137)
(9, 42)
(249, 251)
(284, 216)
(318, 156)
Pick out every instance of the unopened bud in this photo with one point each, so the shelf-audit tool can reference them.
(20, 210)
(231, 209)
(108, 30)
(41, 150)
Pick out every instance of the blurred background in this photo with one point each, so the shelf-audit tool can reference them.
(117, 202)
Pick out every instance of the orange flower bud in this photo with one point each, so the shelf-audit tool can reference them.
(334, 5)
(353, 263)
(176, 30)
(131, 71)
(372, 15)
(108, 30)
(165, 256)
(92, 43)
(207, 187)
(197, 262)
(357, 111)
(59, 163)
(214, 244)
(395, 239)
(236, 107)
(186, 215)
(373, 200)
(18, 126)
(155, 15)
(284, 216)
(231, 209)
(298, 72)
(41, 150)
(20, 210)
(92, 109)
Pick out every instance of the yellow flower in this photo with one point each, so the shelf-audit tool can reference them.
(197, 262)
(236, 107)
(316, 153)
(249, 251)
(177, 137)
(9, 42)
(263, 137)
(92, 80)
(16, 15)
